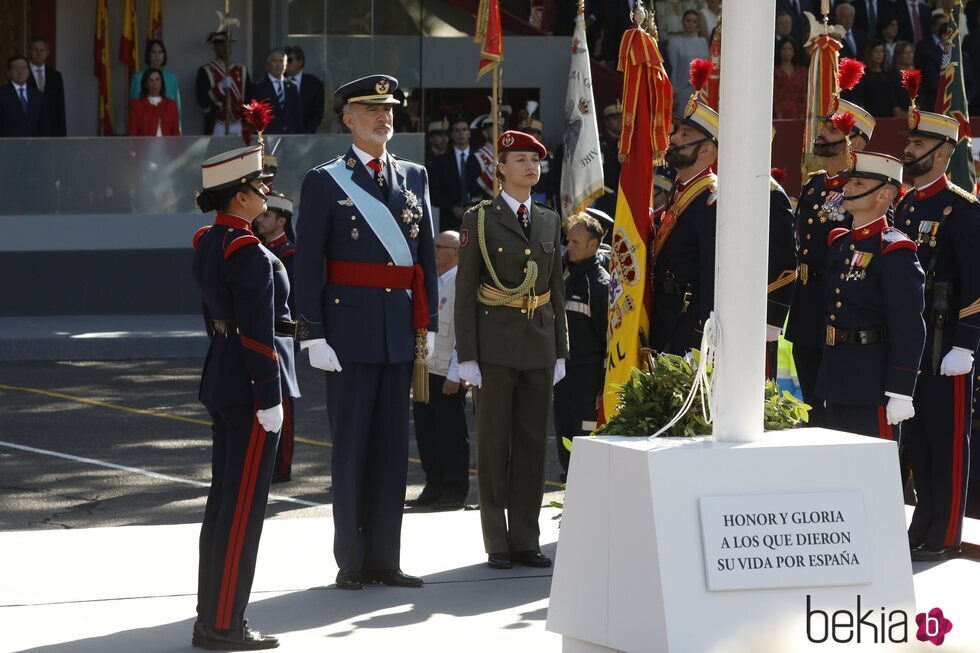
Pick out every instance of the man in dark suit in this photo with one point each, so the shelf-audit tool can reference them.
(615, 17)
(365, 218)
(48, 81)
(867, 13)
(456, 172)
(928, 58)
(795, 9)
(913, 19)
(22, 110)
(854, 39)
(281, 93)
(310, 88)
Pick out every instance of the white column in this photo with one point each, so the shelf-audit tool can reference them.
(743, 218)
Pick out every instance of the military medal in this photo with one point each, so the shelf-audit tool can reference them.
(355, 234)
(413, 231)
(927, 230)
(346, 202)
(859, 265)
(832, 209)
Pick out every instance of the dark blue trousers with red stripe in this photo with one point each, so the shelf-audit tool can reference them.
(242, 459)
(284, 452)
(938, 439)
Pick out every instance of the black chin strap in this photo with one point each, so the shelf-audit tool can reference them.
(924, 155)
(815, 143)
(865, 193)
(678, 148)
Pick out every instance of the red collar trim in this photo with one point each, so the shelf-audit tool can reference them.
(233, 221)
(835, 182)
(681, 185)
(276, 242)
(870, 229)
(930, 189)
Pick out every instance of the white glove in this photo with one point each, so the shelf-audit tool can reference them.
(772, 333)
(470, 372)
(559, 371)
(270, 418)
(430, 342)
(226, 83)
(956, 362)
(899, 409)
(323, 357)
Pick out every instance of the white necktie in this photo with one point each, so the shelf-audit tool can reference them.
(40, 79)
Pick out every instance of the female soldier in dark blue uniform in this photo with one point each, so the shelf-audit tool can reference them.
(247, 372)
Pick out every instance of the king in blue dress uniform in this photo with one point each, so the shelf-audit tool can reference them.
(367, 294)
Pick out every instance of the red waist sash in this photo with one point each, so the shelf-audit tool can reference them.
(378, 275)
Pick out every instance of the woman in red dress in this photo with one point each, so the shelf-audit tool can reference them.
(153, 114)
(789, 81)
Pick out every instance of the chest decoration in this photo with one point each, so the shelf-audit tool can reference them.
(355, 234)
(412, 213)
(346, 202)
(833, 208)
(859, 266)
(927, 233)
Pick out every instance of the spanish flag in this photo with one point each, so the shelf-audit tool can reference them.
(647, 103)
(102, 72)
(489, 35)
(128, 50)
(154, 23)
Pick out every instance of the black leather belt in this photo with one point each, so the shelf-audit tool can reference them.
(283, 328)
(840, 337)
(670, 286)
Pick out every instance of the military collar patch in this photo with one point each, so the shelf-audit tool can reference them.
(351, 162)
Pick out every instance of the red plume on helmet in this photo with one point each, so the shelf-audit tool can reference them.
(849, 73)
(258, 114)
(701, 69)
(844, 122)
(779, 175)
(910, 81)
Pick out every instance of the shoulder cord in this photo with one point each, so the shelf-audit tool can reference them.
(526, 287)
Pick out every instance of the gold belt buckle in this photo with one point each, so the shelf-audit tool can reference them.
(530, 304)
(804, 273)
(831, 337)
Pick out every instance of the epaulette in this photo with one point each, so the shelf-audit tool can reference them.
(893, 239)
(962, 192)
(200, 232)
(326, 163)
(238, 243)
(836, 233)
(815, 173)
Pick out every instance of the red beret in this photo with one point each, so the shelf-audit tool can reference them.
(515, 141)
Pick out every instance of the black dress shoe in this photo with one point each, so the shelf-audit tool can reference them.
(499, 561)
(282, 478)
(197, 638)
(531, 559)
(930, 553)
(428, 496)
(238, 639)
(349, 580)
(392, 578)
(449, 502)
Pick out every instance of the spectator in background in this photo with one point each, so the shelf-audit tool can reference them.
(440, 425)
(682, 50)
(48, 81)
(868, 14)
(310, 88)
(971, 48)
(153, 114)
(795, 9)
(454, 182)
(609, 148)
(615, 17)
(928, 57)
(436, 142)
(670, 16)
(904, 60)
(549, 185)
(789, 82)
(913, 20)
(888, 33)
(22, 109)
(708, 19)
(281, 93)
(784, 25)
(155, 56)
(876, 90)
(586, 309)
(852, 45)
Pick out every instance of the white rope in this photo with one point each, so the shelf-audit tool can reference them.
(710, 342)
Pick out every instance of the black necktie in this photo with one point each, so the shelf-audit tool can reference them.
(379, 175)
(23, 98)
(524, 219)
(464, 195)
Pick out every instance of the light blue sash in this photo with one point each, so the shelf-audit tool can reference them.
(378, 216)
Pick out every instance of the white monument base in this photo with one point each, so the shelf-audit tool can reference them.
(647, 526)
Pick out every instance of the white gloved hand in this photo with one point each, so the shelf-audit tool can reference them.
(323, 357)
(956, 362)
(226, 83)
(270, 418)
(772, 333)
(559, 371)
(430, 342)
(470, 373)
(898, 410)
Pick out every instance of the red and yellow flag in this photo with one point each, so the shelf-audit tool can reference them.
(489, 35)
(711, 91)
(647, 102)
(128, 51)
(820, 91)
(154, 23)
(101, 52)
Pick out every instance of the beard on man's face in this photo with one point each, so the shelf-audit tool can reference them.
(678, 160)
(825, 149)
